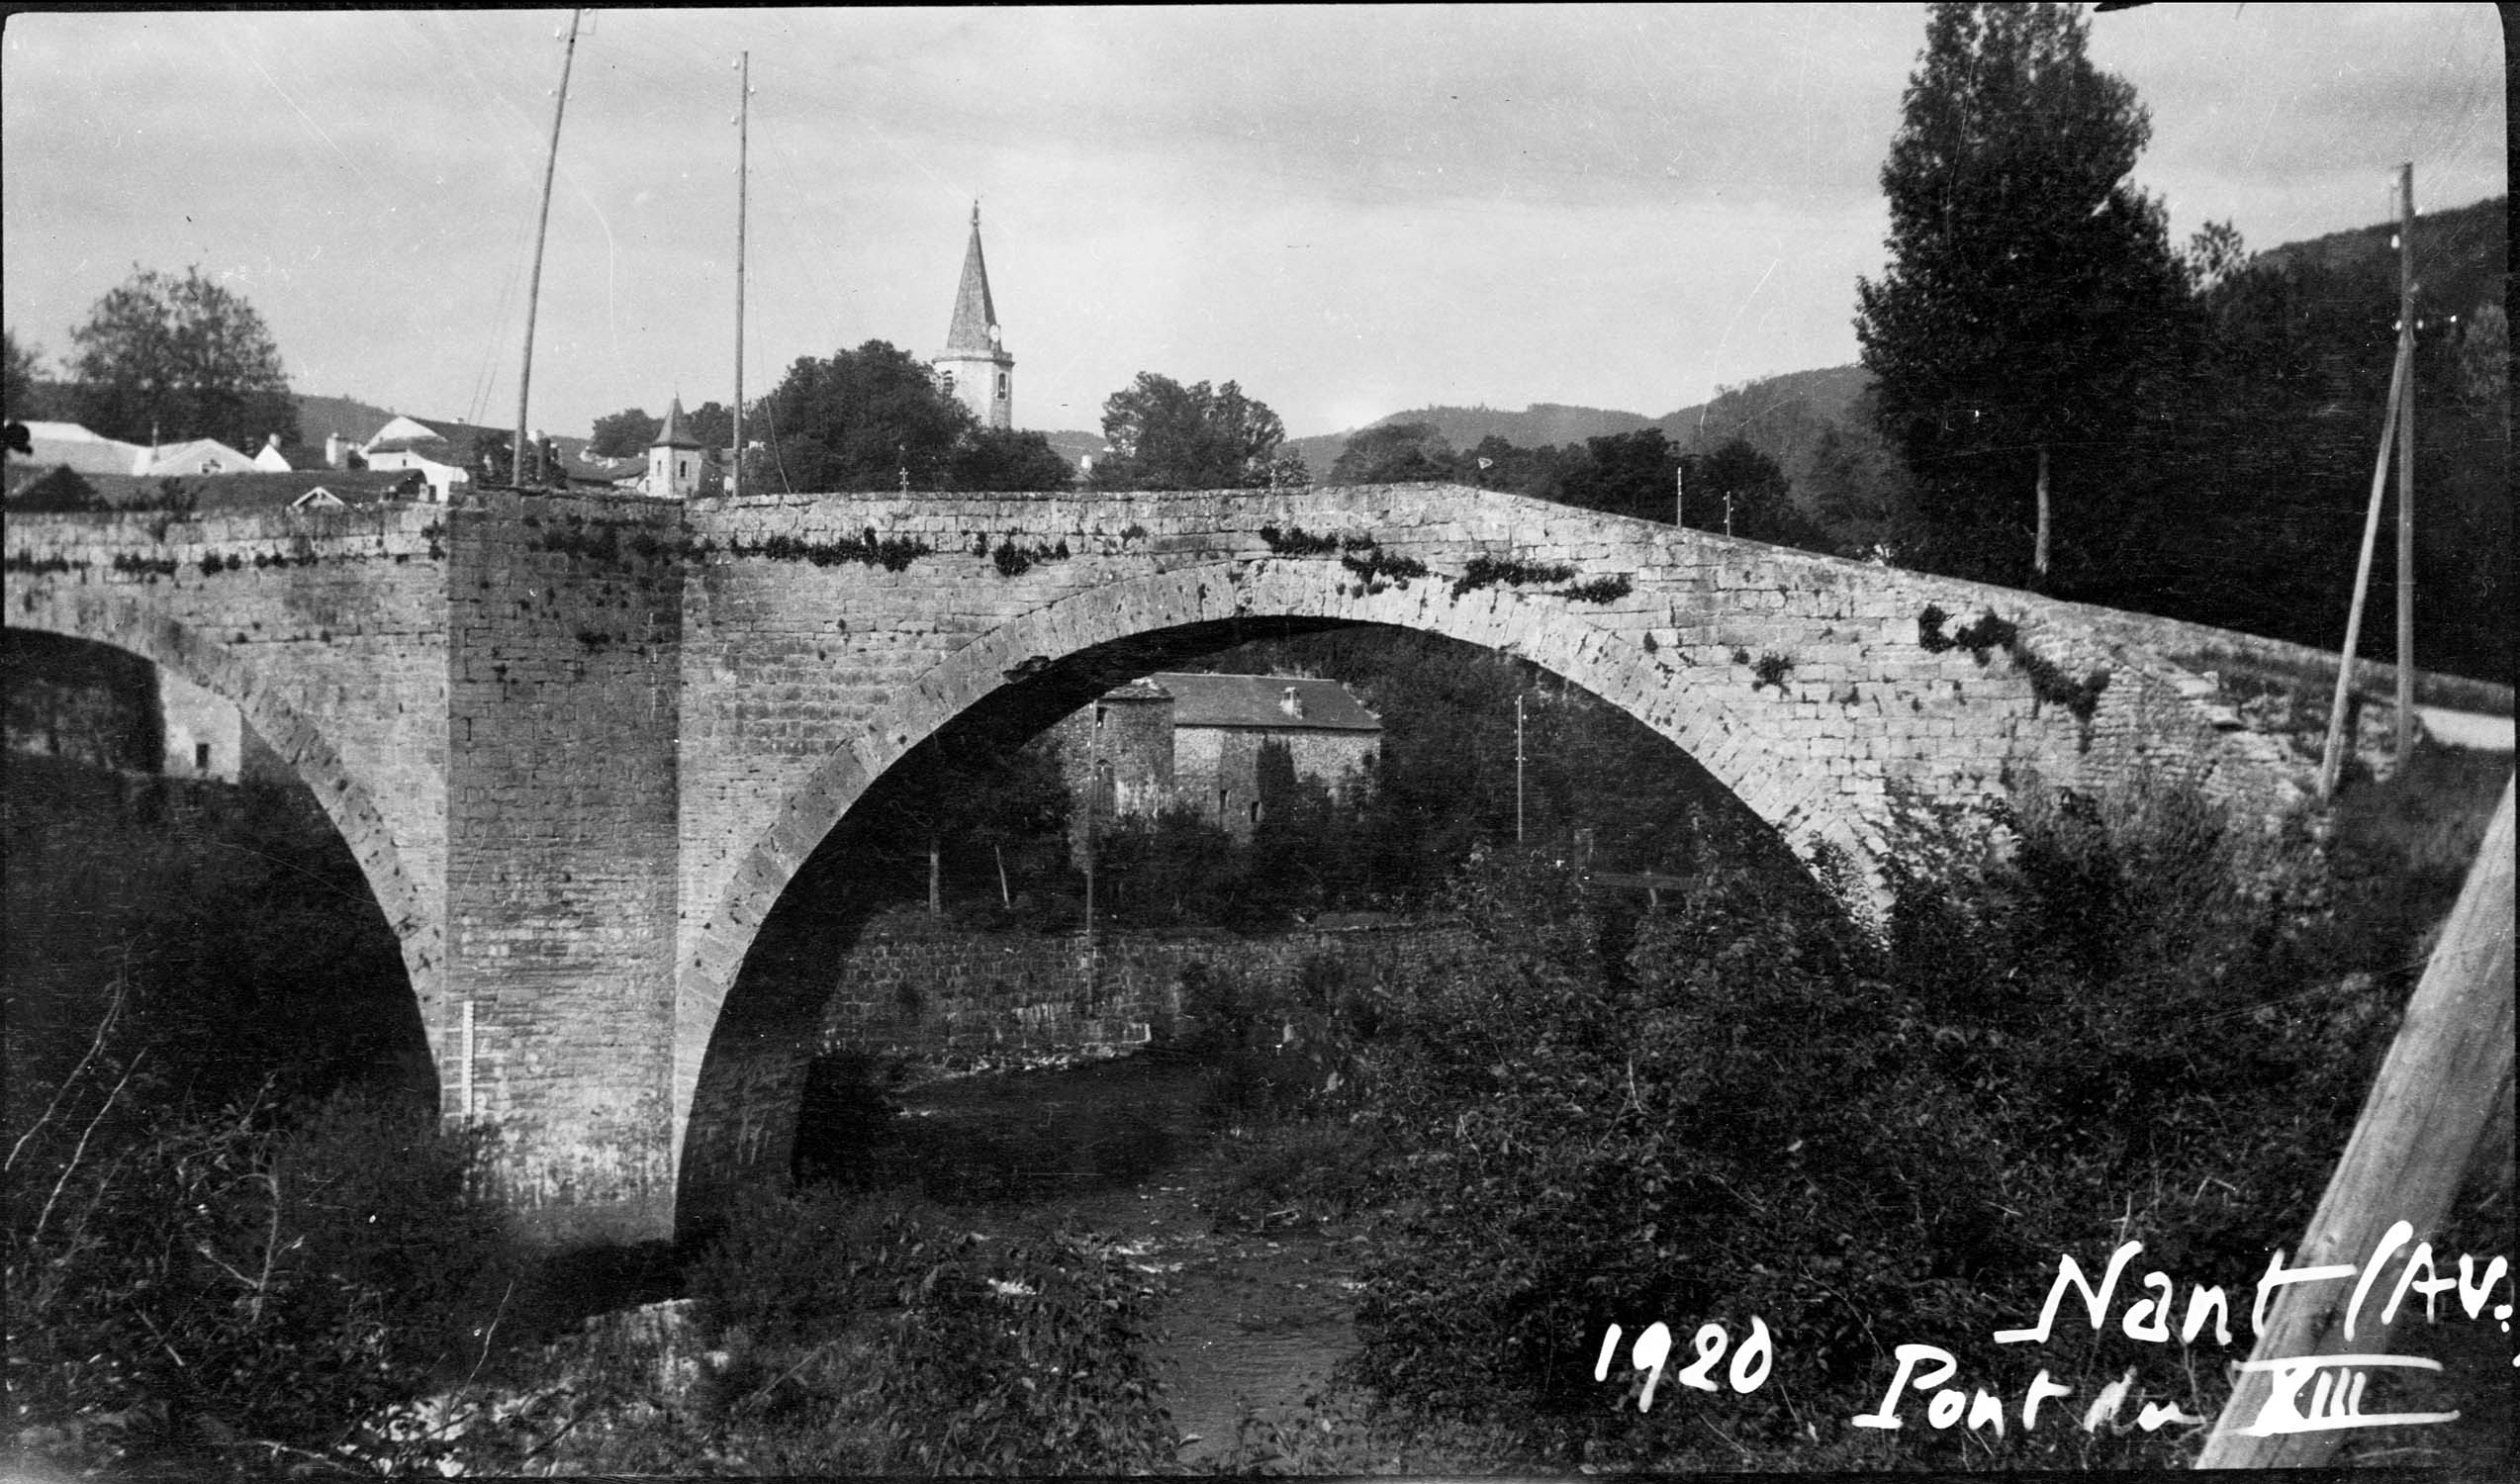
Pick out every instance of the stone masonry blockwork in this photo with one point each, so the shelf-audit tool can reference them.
(581, 745)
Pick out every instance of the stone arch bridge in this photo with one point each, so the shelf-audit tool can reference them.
(580, 745)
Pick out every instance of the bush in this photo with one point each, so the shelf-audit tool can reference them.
(2130, 1028)
(791, 1269)
(236, 1289)
(1024, 1360)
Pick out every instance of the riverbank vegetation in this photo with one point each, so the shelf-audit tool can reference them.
(1741, 1109)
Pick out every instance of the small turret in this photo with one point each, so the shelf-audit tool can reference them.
(674, 458)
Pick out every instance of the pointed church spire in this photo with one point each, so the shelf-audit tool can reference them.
(974, 368)
(975, 317)
(674, 434)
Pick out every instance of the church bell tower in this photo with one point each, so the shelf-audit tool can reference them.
(976, 367)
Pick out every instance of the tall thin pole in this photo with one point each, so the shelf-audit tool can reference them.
(2406, 464)
(2333, 759)
(543, 224)
(743, 159)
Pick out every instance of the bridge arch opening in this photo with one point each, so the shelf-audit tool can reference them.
(745, 1104)
(161, 851)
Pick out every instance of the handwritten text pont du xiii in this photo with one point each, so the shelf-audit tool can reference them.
(2310, 1393)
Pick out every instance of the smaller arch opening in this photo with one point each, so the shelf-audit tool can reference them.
(162, 860)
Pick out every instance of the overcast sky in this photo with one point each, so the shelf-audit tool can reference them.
(1350, 211)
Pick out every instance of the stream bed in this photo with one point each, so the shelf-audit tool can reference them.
(1252, 1320)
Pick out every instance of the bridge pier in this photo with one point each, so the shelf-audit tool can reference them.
(561, 797)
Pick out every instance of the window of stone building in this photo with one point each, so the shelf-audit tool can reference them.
(201, 757)
(1002, 386)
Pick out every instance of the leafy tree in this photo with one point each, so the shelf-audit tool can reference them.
(1624, 474)
(1496, 464)
(1394, 453)
(861, 420)
(625, 434)
(1856, 492)
(2032, 310)
(167, 358)
(713, 422)
(951, 814)
(633, 432)
(17, 376)
(1002, 458)
(1738, 488)
(1165, 435)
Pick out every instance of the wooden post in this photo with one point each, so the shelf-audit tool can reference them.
(2039, 558)
(2332, 761)
(2435, 1096)
(743, 181)
(542, 229)
(2406, 465)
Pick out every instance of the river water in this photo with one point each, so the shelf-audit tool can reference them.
(1252, 1321)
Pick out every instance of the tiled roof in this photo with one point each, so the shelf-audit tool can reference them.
(1259, 700)
(1138, 690)
(259, 489)
(88, 454)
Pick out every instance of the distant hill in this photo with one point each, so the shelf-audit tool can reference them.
(2461, 256)
(1540, 426)
(1073, 444)
(1784, 417)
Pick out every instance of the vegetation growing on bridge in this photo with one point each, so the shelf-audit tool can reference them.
(1486, 570)
(1013, 560)
(1609, 589)
(892, 553)
(1298, 541)
(1378, 569)
(2048, 681)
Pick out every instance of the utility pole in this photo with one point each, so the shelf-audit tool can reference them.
(1680, 497)
(2332, 761)
(1518, 768)
(2406, 464)
(542, 227)
(743, 179)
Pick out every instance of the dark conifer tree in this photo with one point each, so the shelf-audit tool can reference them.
(2032, 301)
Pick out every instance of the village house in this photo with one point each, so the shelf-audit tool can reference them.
(1176, 740)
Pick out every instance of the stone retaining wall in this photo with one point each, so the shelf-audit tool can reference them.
(918, 986)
